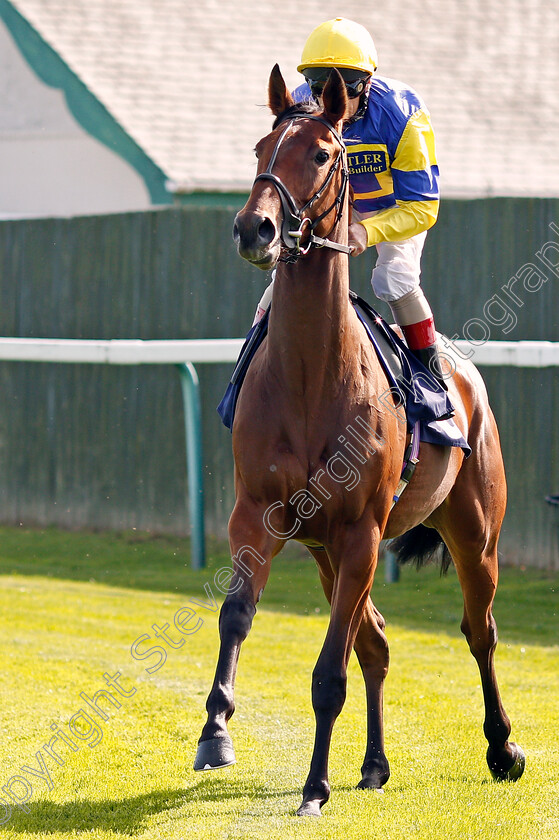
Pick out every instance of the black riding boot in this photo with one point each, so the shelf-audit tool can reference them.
(432, 361)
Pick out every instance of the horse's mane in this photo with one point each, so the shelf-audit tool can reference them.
(309, 106)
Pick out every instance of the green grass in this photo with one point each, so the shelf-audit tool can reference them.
(71, 606)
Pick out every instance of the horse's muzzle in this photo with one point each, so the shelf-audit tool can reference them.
(256, 238)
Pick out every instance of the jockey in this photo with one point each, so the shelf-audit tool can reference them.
(392, 169)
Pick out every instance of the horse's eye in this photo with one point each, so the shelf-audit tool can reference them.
(322, 156)
(256, 153)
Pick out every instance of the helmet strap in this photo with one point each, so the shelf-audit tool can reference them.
(363, 102)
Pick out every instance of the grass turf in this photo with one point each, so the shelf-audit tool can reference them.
(73, 604)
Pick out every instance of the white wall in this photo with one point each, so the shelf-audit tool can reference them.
(48, 164)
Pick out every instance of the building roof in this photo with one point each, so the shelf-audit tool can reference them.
(187, 80)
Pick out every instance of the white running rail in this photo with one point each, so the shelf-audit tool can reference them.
(212, 350)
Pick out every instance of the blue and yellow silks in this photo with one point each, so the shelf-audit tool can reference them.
(392, 162)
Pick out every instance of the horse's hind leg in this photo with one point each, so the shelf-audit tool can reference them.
(371, 648)
(252, 549)
(505, 759)
(474, 551)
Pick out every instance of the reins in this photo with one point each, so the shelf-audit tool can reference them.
(293, 216)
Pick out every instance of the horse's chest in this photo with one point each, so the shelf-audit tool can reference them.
(311, 485)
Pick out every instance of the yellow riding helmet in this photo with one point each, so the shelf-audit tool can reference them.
(339, 43)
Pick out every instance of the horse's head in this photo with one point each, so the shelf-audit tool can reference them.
(301, 178)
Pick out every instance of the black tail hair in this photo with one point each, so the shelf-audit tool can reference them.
(420, 546)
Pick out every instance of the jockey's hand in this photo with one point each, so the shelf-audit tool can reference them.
(357, 238)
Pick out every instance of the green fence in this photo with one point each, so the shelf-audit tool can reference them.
(102, 447)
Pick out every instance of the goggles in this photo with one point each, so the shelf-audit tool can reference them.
(355, 81)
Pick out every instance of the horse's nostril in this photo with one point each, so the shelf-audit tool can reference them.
(266, 231)
(253, 233)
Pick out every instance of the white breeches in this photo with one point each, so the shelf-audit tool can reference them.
(397, 270)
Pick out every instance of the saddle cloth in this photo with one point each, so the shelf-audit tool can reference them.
(411, 384)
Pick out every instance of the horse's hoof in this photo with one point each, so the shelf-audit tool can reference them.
(374, 776)
(215, 753)
(504, 767)
(310, 809)
(369, 784)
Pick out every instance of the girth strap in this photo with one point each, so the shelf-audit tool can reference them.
(411, 459)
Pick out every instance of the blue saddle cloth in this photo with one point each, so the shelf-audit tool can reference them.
(411, 383)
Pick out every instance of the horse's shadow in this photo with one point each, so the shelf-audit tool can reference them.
(126, 816)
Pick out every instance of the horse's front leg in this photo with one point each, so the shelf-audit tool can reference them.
(252, 549)
(353, 564)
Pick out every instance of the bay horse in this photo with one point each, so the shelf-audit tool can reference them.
(312, 382)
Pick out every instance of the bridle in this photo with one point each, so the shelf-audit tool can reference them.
(294, 217)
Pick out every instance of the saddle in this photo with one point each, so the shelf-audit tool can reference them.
(413, 389)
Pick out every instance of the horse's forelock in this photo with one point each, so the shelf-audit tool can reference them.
(298, 109)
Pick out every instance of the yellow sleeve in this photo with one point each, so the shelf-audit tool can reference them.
(415, 176)
(404, 220)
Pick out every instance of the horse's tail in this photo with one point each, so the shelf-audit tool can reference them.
(420, 546)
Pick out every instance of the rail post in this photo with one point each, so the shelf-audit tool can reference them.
(190, 386)
(391, 567)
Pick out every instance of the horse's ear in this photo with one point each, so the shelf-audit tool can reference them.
(279, 98)
(334, 98)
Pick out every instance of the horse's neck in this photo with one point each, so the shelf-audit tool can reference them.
(310, 339)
